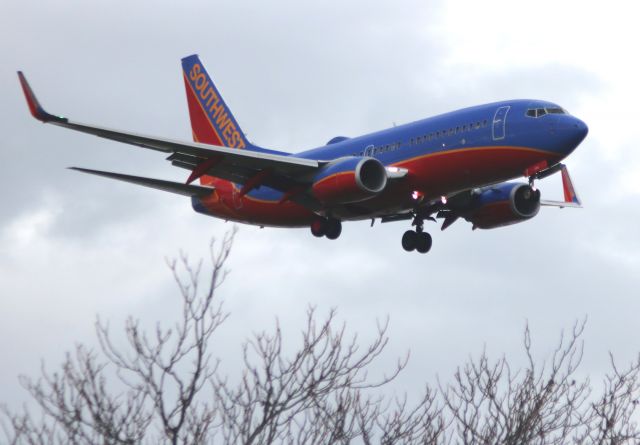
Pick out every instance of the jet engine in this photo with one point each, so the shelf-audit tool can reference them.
(350, 179)
(502, 205)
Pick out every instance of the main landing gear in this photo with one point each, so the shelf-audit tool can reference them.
(329, 227)
(416, 240)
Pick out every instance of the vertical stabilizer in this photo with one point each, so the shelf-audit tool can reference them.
(211, 118)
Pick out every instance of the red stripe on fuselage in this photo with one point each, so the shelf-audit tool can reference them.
(437, 174)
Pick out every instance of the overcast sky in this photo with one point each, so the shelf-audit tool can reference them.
(295, 75)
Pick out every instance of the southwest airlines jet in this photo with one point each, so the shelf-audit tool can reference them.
(452, 166)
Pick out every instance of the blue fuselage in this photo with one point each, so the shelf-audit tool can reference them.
(467, 148)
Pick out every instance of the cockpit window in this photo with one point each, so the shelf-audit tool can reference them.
(539, 112)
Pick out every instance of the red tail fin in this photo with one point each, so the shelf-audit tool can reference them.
(211, 119)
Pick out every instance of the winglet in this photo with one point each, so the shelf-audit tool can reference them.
(34, 106)
(570, 196)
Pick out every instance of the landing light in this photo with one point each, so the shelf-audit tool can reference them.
(443, 199)
(415, 194)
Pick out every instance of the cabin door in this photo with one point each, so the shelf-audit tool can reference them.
(499, 122)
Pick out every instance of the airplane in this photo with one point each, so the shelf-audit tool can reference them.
(451, 166)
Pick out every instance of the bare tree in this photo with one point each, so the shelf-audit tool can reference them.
(166, 387)
(539, 404)
(318, 394)
(162, 374)
(613, 416)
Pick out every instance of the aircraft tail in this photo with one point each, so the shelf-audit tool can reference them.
(211, 119)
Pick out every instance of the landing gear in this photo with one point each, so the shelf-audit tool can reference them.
(409, 240)
(318, 227)
(417, 240)
(329, 227)
(424, 242)
(414, 240)
(334, 228)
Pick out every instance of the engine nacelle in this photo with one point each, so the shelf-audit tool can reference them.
(504, 204)
(350, 179)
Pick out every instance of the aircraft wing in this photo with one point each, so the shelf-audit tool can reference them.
(279, 171)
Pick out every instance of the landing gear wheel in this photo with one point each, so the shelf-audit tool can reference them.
(333, 228)
(319, 227)
(409, 240)
(423, 242)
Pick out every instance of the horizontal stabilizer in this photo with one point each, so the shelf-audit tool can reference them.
(160, 184)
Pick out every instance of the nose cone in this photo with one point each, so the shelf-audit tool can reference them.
(580, 129)
(571, 132)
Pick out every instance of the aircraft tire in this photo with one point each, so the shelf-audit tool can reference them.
(333, 229)
(318, 228)
(423, 242)
(409, 240)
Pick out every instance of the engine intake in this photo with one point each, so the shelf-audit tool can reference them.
(351, 179)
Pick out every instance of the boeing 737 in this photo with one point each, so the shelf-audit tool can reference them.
(451, 166)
